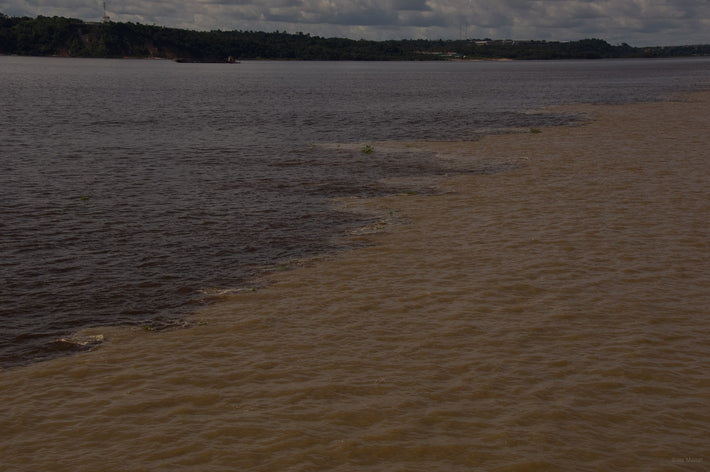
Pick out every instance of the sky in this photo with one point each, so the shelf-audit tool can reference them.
(636, 22)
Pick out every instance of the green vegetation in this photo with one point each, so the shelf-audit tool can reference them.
(367, 149)
(57, 36)
(535, 131)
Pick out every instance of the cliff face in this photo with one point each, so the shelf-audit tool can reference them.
(68, 37)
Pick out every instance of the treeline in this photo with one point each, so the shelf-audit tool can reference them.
(58, 36)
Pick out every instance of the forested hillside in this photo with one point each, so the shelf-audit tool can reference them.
(58, 36)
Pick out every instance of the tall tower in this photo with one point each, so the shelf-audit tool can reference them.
(105, 18)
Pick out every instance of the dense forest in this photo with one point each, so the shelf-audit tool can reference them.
(58, 36)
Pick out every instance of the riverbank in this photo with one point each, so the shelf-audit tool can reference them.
(71, 37)
(550, 316)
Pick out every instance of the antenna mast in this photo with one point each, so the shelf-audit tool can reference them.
(105, 18)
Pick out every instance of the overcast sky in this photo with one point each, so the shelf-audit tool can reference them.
(637, 22)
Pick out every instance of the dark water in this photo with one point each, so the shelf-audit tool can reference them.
(131, 190)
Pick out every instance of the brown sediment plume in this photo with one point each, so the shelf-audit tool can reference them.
(549, 317)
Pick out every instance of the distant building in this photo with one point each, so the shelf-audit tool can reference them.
(105, 18)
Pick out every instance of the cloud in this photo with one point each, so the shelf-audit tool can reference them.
(409, 5)
(634, 21)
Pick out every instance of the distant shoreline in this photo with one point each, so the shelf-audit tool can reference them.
(71, 37)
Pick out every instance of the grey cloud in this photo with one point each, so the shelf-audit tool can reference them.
(422, 19)
(361, 13)
(69, 8)
(410, 5)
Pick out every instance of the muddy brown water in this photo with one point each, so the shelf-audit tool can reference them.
(554, 316)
